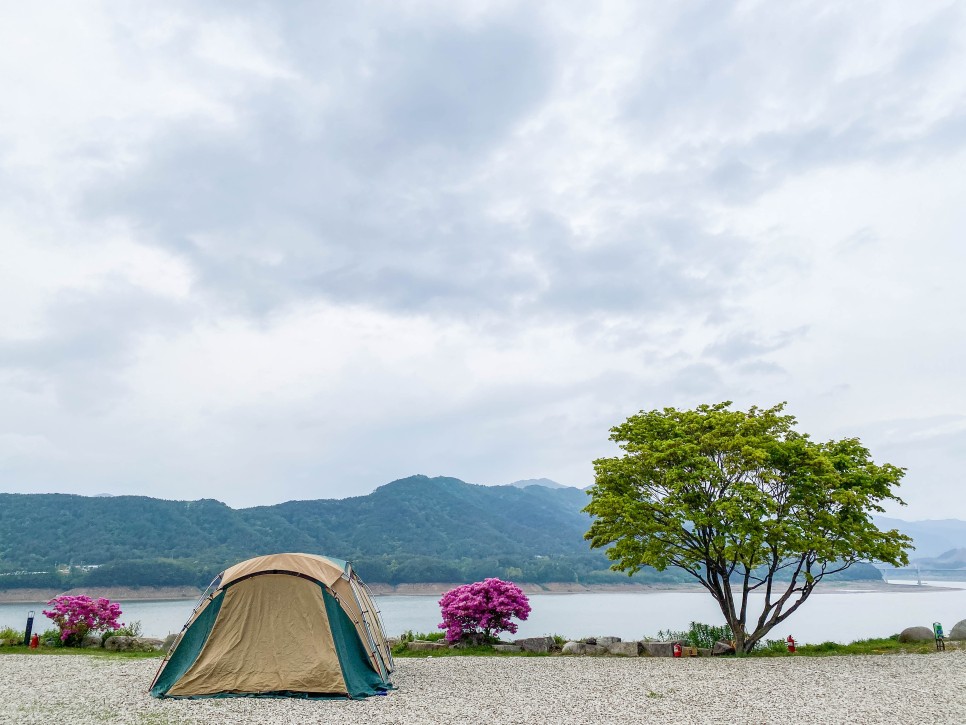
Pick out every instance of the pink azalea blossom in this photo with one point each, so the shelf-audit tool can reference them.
(476, 612)
(80, 615)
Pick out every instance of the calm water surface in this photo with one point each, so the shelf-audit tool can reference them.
(837, 615)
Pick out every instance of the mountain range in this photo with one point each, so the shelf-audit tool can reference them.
(416, 529)
(932, 538)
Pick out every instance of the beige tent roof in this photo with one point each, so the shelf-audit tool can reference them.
(311, 565)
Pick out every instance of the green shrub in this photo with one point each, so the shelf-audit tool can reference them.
(772, 645)
(705, 635)
(10, 637)
(410, 636)
(697, 635)
(131, 629)
(51, 637)
(828, 647)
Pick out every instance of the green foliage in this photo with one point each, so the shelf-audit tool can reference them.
(706, 635)
(10, 637)
(131, 629)
(777, 646)
(51, 638)
(410, 636)
(741, 500)
(874, 646)
(697, 635)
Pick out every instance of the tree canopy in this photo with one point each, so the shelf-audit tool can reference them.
(743, 503)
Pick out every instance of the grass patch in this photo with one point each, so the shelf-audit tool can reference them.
(483, 650)
(875, 646)
(74, 651)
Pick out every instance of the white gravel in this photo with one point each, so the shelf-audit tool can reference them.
(884, 689)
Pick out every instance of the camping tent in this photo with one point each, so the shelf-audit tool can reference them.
(280, 625)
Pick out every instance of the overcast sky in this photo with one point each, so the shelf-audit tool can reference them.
(270, 251)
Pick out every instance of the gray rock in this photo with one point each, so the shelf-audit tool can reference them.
(535, 644)
(91, 641)
(916, 634)
(421, 646)
(133, 644)
(583, 648)
(722, 647)
(507, 648)
(169, 642)
(659, 649)
(625, 649)
(589, 640)
(958, 632)
(606, 641)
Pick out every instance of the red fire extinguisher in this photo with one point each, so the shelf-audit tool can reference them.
(34, 642)
(791, 643)
(676, 649)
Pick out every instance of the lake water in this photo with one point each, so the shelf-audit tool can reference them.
(839, 615)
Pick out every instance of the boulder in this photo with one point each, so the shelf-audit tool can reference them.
(169, 642)
(421, 646)
(535, 644)
(91, 641)
(625, 649)
(507, 648)
(607, 641)
(133, 644)
(958, 631)
(660, 649)
(722, 647)
(916, 634)
(583, 648)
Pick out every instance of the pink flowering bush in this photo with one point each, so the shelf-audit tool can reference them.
(476, 612)
(79, 616)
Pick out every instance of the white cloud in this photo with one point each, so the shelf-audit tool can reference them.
(257, 253)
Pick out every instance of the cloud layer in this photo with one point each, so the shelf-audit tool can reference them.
(259, 252)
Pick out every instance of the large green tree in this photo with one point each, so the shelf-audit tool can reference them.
(745, 504)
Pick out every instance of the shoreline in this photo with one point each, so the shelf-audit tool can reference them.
(30, 596)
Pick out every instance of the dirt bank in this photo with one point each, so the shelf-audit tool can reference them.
(117, 594)
(12, 596)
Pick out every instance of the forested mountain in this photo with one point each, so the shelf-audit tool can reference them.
(413, 530)
(417, 529)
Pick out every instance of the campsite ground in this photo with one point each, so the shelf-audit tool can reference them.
(858, 689)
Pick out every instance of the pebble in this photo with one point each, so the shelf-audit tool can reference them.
(922, 689)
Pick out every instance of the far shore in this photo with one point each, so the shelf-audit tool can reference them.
(16, 596)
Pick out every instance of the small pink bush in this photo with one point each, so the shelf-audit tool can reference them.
(476, 612)
(78, 616)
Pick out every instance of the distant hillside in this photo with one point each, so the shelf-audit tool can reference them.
(931, 538)
(954, 559)
(417, 529)
(545, 482)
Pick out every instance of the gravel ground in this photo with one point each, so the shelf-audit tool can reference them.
(884, 689)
